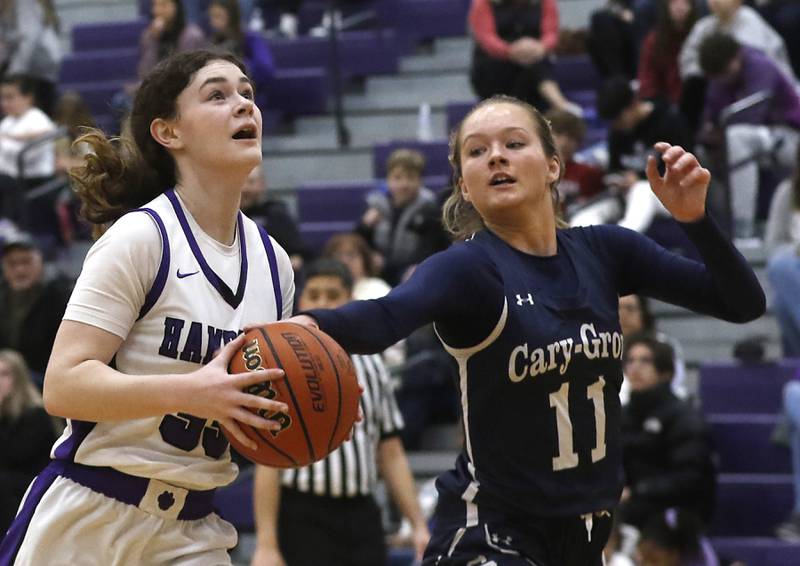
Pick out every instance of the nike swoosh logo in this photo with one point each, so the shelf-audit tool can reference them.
(182, 275)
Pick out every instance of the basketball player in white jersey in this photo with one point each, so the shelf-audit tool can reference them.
(177, 274)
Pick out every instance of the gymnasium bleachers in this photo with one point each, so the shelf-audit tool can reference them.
(326, 184)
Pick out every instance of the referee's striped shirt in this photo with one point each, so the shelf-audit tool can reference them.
(351, 469)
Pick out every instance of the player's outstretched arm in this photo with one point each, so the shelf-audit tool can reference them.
(80, 384)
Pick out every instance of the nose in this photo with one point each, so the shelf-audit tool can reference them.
(497, 155)
(246, 106)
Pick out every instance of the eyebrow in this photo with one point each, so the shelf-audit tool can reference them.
(504, 130)
(213, 80)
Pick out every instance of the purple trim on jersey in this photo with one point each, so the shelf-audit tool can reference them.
(10, 545)
(67, 449)
(232, 299)
(163, 268)
(273, 270)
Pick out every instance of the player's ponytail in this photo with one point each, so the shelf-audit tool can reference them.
(459, 217)
(124, 173)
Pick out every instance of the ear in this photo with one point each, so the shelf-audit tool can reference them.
(462, 186)
(166, 133)
(553, 169)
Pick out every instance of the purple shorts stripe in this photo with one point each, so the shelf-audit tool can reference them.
(273, 269)
(10, 545)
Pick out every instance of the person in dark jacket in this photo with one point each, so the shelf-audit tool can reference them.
(26, 434)
(666, 448)
(32, 305)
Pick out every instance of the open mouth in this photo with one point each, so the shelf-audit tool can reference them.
(501, 179)
(245, 133)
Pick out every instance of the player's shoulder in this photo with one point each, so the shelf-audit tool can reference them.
(605, 237)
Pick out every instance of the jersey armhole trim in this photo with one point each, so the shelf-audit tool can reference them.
(464, 353)
(273, 270)
(163, 269)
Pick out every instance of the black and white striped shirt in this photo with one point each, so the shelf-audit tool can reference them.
(351, 469)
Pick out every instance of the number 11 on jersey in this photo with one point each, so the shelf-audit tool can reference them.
(567, 457)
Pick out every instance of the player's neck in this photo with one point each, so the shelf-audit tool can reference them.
(537, 237)
(213, 201)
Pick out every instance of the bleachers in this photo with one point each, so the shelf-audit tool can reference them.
(755, 491)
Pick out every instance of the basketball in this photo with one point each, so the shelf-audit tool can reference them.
(320, 388)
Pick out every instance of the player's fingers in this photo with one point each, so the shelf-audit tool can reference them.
(235, 430)
(262, 403)
(684, 163)
(653, 176)
(224, 354)
(250, 377)
(661, 147)
(250, 327)
(673, 154)
(700, 175)
(249, 418)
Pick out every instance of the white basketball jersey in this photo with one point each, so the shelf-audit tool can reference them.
(188, 314)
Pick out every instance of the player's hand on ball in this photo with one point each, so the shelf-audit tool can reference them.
(304, 319)
(221, 396)
(683, 188)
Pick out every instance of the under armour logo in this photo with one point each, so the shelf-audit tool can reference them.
(498, 539)
(528, 299)
(166, 500)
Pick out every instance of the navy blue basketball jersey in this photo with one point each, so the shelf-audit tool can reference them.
(539, 350)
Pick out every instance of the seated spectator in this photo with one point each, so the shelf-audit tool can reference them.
(747, 27)
(635, 318)
(273, 216)
(32, 304)
(790, 530)
(636, 125)
(30, 45)
(320, 514)
(659, 75)
(23, 123)
(227, 34)
(766, 133)
(354, 251)
(612, 43)
(674, 538)
(580, 182)
(782, 240)
(513, 43)
(26, 432)
(666, 450)
(167, 33)
(404, 225)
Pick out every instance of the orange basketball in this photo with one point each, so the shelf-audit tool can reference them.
(320, 388)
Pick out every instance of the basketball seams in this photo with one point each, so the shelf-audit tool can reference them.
(269, 443)
(338, 388)
(271, 346)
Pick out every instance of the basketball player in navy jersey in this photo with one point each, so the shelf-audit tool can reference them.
(529, 311)
(177, 274)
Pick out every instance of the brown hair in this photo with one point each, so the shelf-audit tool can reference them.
(566, 123)
(339, 241)
(409, 160)
(459, 216)
(123, 173)
(24, 394)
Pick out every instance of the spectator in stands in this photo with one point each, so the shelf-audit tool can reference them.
(782, 240)
(289, 23)
(354, 251)
(580, 181)
(273, 216)
(326, 513)
(23, 123)
(32, 304)
(636, 318)
(666, 450)
(659, 75)
(767, 132)
(167, 33)
(26, 433)
(30, 45)
(227, 34)
(612, 42)
(674, 538)
(404, 225)
(636, 125)
(790, 530)
(744, 24)
(513, 43)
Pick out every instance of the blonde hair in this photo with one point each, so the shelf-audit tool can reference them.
(459, 217)
(409, 160)
(23, 395)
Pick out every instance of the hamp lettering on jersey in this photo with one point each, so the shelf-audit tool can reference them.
(530, 362)
(196, 344)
